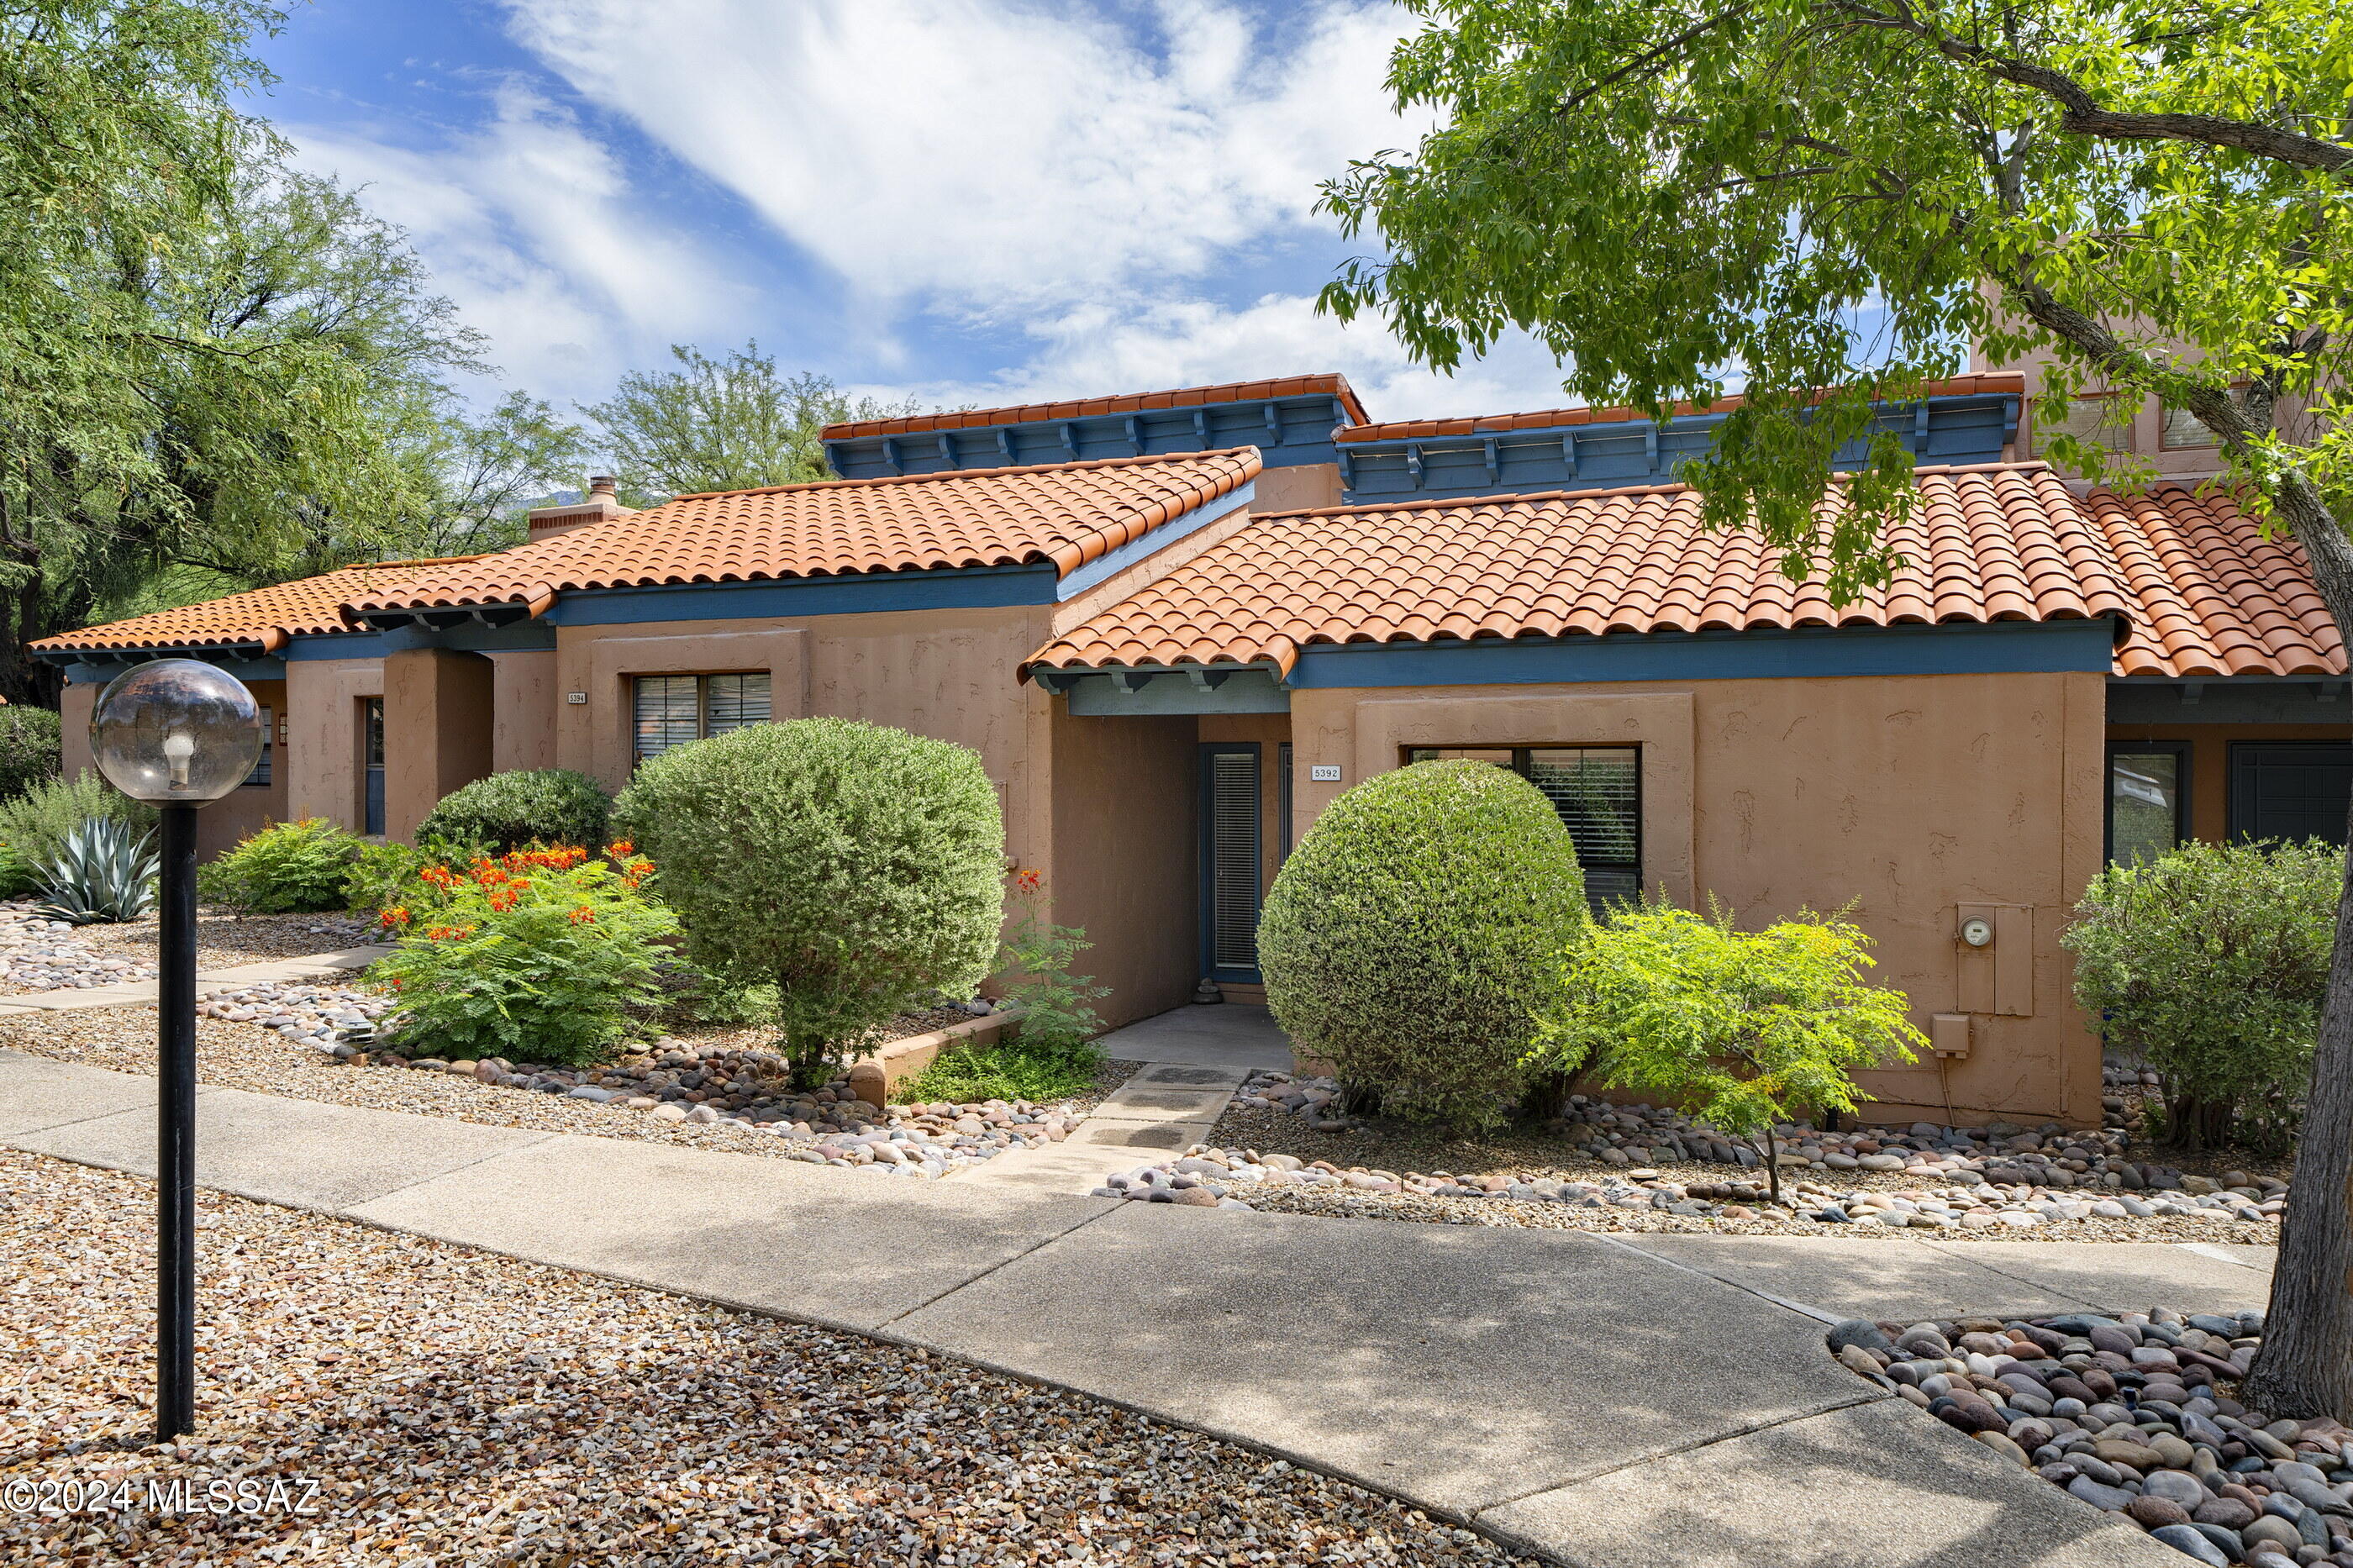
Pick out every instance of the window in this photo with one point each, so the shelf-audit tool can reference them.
(672, 710)
(371, 764)
(2290, 789)
(2148, 799)
(2183, 432)
(1597, 790)
(2103, 417)
(261, 774)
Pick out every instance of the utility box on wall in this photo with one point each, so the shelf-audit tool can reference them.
(1995, 944)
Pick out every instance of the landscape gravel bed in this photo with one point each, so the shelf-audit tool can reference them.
(227, 941)
(694, 1099)
(2133, 1415)
(1634, 1167)
(436, 1404)
(41, 954)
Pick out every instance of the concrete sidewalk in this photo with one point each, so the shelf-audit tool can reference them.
(142, 993)
(1643, 1402)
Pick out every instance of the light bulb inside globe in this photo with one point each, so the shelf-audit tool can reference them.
(179, 749)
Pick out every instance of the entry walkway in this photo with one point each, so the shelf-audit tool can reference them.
(141, 994)
(1637, 1402)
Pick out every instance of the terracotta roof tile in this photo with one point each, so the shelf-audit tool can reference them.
(2212, 596)
(2006, 543)
(1064, 514)
(308, 606)
(1555, 419)
(1128, 403)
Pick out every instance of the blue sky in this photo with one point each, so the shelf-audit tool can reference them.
(964, 201)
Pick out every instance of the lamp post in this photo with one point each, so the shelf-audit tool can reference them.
(179, 734)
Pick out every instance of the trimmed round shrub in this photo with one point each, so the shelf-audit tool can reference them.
(288, 866)
(2211, 964)
(1416, 932)
(511, 811)
(858, 869)
(32, 749)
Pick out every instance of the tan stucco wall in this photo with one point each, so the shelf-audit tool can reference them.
(1124, 858)
(324, 740)
(1910, 795)
(248, 808)
(74, 708)
(1299, 488)
(2210, 761)
(436, 725)
(523, 699)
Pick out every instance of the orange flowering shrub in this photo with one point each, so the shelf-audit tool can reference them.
(538, 953)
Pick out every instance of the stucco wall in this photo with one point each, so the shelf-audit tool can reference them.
(1910, 795)
(524, 699)
(323, 742)
(1299, 486)
(1124, 859)
(437, 704)
(74, 707)
(248, 808)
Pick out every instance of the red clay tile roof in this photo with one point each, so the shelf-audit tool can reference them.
(308, 606)
(1127, 403)
(2211, 594)
(1064, 513)
(2007, 542)
(1554, 419)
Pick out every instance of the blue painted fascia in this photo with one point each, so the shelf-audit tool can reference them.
(344, 645)
(2004, 647)
(1287, 431)
(1954, 430)
(1104, 567)
(99, 671)
(1175, 691)
(944, 588)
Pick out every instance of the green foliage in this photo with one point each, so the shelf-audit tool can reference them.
(285, 867)
(728, 423)
(510, 810)
(542, 957)
(17, 878)
(36, 823)
(104, 873)
(1010, 1071)
(381, 876)
(2211, 964)
(1746, 1029)
(31, 746)
(1415, 933)
(854, 867)
(1057, 1017)
(1847, 196)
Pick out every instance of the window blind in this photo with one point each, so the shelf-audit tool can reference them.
(1233, 859)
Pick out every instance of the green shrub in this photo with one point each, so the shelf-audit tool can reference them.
(1416, 932)
(36, 824)
(1007, 1072)
(32, 749)
(286, 868)
(104, 873)
(854, 867)
(1745, 1029)
(543, 957)
(1058, 1022)
(17, 878)
(515, 810)
(383, 875)
(2211, 963)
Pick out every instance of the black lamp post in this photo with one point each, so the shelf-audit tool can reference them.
(178, 734)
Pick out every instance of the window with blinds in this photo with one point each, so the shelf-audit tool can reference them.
(1230, 855)
(261, 774)
(1597, 790)
(673, 709)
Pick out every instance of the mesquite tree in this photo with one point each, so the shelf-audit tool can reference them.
(1842, 195)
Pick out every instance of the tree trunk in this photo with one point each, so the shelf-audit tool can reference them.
(1773, 1165)
(2306, 1367)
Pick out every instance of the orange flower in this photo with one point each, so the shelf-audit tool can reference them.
(394, 917)
(620, 849)
(584, 917)
(502, 900)
(1028, 881)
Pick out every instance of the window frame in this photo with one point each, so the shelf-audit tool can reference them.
(2164, 411)
(2182, 754)
(1522, 763)
(702, 678)
(263, 773)
(2115, 401)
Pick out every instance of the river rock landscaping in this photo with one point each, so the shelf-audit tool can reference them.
(2132, 1414)
(455, 1407)
(38, 953)
(1635, 1167)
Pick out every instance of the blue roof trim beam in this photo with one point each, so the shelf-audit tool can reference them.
(2004, 647)
(1109, 564)
(1288, 432)
(1970, 429)
(943, 588)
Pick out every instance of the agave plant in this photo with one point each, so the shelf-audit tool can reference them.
(104, 871)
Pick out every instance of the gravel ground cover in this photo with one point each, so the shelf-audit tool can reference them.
(434, 1405)
(40, 954)
(224, 940)
(1282, 1146)
(2133, 1415)
(827, 1127)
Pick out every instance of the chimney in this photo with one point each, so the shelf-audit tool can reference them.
(602, 503)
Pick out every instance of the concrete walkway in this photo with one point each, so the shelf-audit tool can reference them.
(141, 994)
(1637, 1402)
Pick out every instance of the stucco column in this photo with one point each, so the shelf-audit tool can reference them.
(75, 704)
(438, 711)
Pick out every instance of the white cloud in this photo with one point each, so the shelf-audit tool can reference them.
(530, 225)
(984, 155)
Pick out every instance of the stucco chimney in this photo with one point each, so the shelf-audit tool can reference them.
(601, 504)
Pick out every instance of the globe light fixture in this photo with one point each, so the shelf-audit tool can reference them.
(178, 734)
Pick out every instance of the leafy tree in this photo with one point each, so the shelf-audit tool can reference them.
(726, 424)
(1831, 198)
(1749, 1029)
